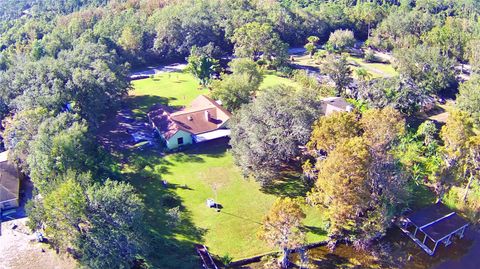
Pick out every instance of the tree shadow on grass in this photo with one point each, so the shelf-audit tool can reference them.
(165, 248)
(145, 102)
(182, 157)
(314, 230)
(215, 148)
(291, 184)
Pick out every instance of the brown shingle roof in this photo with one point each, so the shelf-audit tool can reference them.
(9, 180)
(203, 115)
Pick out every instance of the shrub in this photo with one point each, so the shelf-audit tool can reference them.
(370, 56)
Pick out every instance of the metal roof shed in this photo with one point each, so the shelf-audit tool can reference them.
(433, 225)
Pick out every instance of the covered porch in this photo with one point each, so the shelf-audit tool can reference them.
(219, 133)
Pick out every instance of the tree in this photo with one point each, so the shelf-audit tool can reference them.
(473, 55)
(248, 67)
(267, 133)
(88, 80)
(62, 213)
(427, 130)
(238, 88)
(455, 134)
(472, 164)
(451, 37)
(366, 15)
(381, 128)
(311, 46)
(233, 91)
(427, 66)
(402, 27)
(358, 180)
(341, 39)
(468, 98)
(362, 74)
(101, 223)
(254, 40)
(38, 51)
(342, 187)
(399, 93)
(131, 39)
(201, 66)
(281, 227)
(115, 235)
(337, 68)
(19, 133)
(333, 129)
(61, 144)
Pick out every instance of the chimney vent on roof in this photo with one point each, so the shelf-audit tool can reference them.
(207, 115)
(190, 118)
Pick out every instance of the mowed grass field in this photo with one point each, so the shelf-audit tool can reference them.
(201, 172)
(376, 70)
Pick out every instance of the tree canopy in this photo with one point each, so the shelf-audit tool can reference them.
(267, 133)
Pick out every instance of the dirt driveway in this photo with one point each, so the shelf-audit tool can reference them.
(19, 250)
(126, 131)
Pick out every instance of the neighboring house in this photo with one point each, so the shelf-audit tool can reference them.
(203, 120)
(9, 183)
(334, 104)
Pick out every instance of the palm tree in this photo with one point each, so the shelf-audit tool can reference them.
(362, 74)
(311, 46)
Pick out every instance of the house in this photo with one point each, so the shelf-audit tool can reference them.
(203, 120)
(9, 183)
(334, 104)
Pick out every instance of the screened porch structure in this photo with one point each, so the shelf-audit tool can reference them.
(432, 226)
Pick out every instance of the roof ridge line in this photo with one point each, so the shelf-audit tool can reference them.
(186, 111)
(437, 220)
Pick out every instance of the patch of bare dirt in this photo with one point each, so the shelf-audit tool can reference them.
(19, 250)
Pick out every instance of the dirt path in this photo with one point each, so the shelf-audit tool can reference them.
(19, 250)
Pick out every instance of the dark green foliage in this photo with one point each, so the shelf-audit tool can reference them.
(114, 237)
(428, 67)
(100, 223)
(337, 68)
(468, 98)
(61, 144)
(255, 40)
(201, 65)
(88, 79)
(267, 133)
(238, 88)
(403, 95)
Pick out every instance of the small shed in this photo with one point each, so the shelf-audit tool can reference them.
(433, 225)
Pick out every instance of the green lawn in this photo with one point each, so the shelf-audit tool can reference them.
(192, 176)
(375, 69)
(173, 89)
(271, 80)
(179, 89)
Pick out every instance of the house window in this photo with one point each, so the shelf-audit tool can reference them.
(180, 140)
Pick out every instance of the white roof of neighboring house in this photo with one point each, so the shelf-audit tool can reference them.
(333, 104)
(9, 180)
